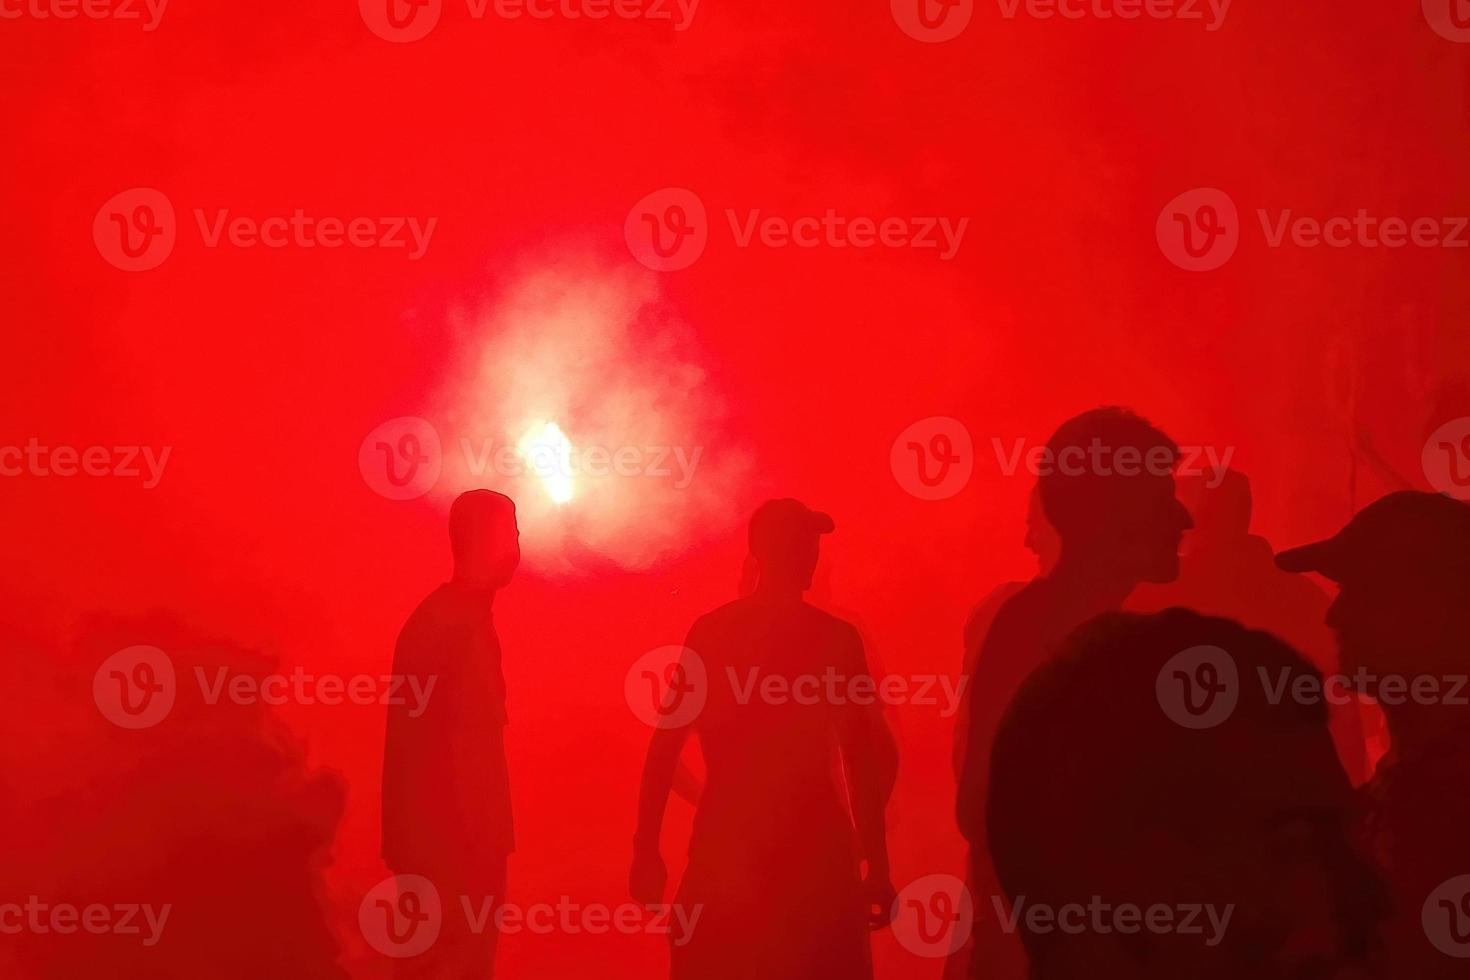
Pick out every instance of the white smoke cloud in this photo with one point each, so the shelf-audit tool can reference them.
(589, 347)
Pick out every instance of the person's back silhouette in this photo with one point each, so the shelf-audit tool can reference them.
(798, 771)
(446, 792)
(1140, 833)
(1402, 618)
(1109, 493)
(1227, 571)
(1042, 541)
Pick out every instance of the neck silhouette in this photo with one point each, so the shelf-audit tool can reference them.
(1094, 576)
(780, 589)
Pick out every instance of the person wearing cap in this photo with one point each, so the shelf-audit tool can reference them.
(446, 791)
(1402, 620)
(1119, 525)
(799, 767)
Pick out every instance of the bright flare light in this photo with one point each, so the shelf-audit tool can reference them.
(548, 453)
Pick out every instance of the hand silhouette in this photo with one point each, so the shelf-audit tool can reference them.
(648, 878)
(879, 895)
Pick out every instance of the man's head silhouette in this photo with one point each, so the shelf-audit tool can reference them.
(1099, 795)
(484, 538)
(1403, 570)
(1109, 492)
(784, 541)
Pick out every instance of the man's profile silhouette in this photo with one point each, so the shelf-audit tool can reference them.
(1233, 837)
(1402, 618)
(446, 792)
(1109, 494)
(796, 785)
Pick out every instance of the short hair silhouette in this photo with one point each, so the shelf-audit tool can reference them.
(1075, 493)
(476, 514)
(483, 537)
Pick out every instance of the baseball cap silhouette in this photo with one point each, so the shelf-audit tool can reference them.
(1409, 533)
(777, 524)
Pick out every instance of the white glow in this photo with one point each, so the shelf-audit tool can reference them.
(548, 453)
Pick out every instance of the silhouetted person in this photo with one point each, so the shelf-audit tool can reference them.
(1109, 493)
(446, 793)
(1225, 570)
(795, 786)
(1402, 618)
(1220, 814)
(1042, 541)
